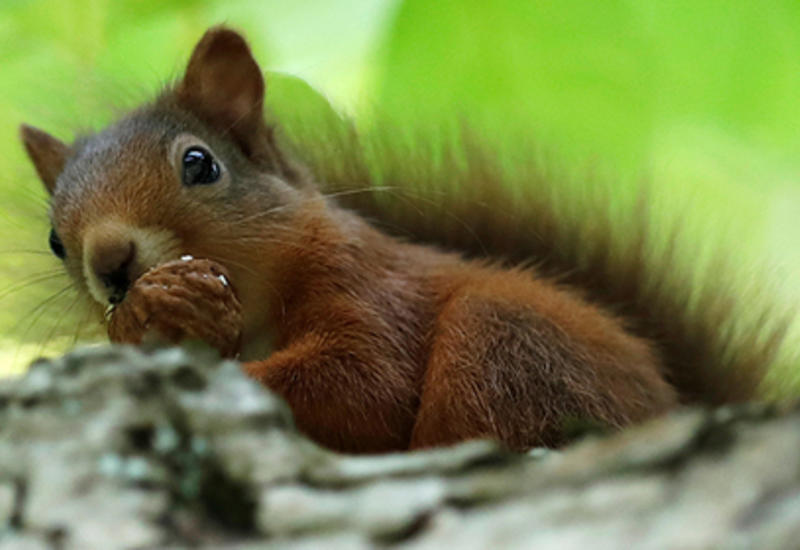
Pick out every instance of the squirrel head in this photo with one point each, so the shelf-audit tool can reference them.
(195, 172)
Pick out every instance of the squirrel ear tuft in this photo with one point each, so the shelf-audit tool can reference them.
(48, 154)
(223, 85)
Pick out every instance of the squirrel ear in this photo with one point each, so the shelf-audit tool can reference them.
(47, 153)
(223, 86)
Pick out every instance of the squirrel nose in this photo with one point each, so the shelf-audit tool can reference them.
(111, 261)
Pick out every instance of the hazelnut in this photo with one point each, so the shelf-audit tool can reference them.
(186, 299)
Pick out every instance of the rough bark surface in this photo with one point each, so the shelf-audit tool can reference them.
(110, 448)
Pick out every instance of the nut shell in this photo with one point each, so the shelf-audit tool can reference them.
(187, 299)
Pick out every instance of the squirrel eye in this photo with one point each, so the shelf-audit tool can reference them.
(199, 167)
(56, 245)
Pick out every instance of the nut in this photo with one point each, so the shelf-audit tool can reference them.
(186, 299)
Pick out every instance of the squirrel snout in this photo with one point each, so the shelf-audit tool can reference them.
(116, 253)
(111, 263)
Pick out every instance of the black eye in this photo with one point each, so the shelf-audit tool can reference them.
(56, 245)
(199, 167)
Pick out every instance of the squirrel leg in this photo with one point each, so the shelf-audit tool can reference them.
(342, 394)
(476, 386)
(500, 369)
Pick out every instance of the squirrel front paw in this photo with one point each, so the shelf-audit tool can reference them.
(186, 299)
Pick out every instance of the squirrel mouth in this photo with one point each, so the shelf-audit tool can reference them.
(118, 296)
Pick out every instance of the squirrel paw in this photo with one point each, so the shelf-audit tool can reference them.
(186, 299)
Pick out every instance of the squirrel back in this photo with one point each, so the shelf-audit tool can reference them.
(379, 341)
(717, 338)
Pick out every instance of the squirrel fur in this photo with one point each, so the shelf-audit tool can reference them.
(383, 342)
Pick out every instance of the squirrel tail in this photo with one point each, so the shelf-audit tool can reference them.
(717, 338)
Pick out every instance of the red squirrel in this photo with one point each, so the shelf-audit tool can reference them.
(378, 343)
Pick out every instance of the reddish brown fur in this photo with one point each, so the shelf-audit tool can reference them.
(378, 344)
(385, 345)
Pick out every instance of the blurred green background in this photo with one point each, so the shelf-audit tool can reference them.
(700, 98)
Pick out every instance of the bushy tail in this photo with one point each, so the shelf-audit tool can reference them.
(718, 338)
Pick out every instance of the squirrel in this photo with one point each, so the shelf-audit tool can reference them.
(382, 341)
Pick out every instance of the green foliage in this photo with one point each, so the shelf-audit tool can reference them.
(698, 97)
